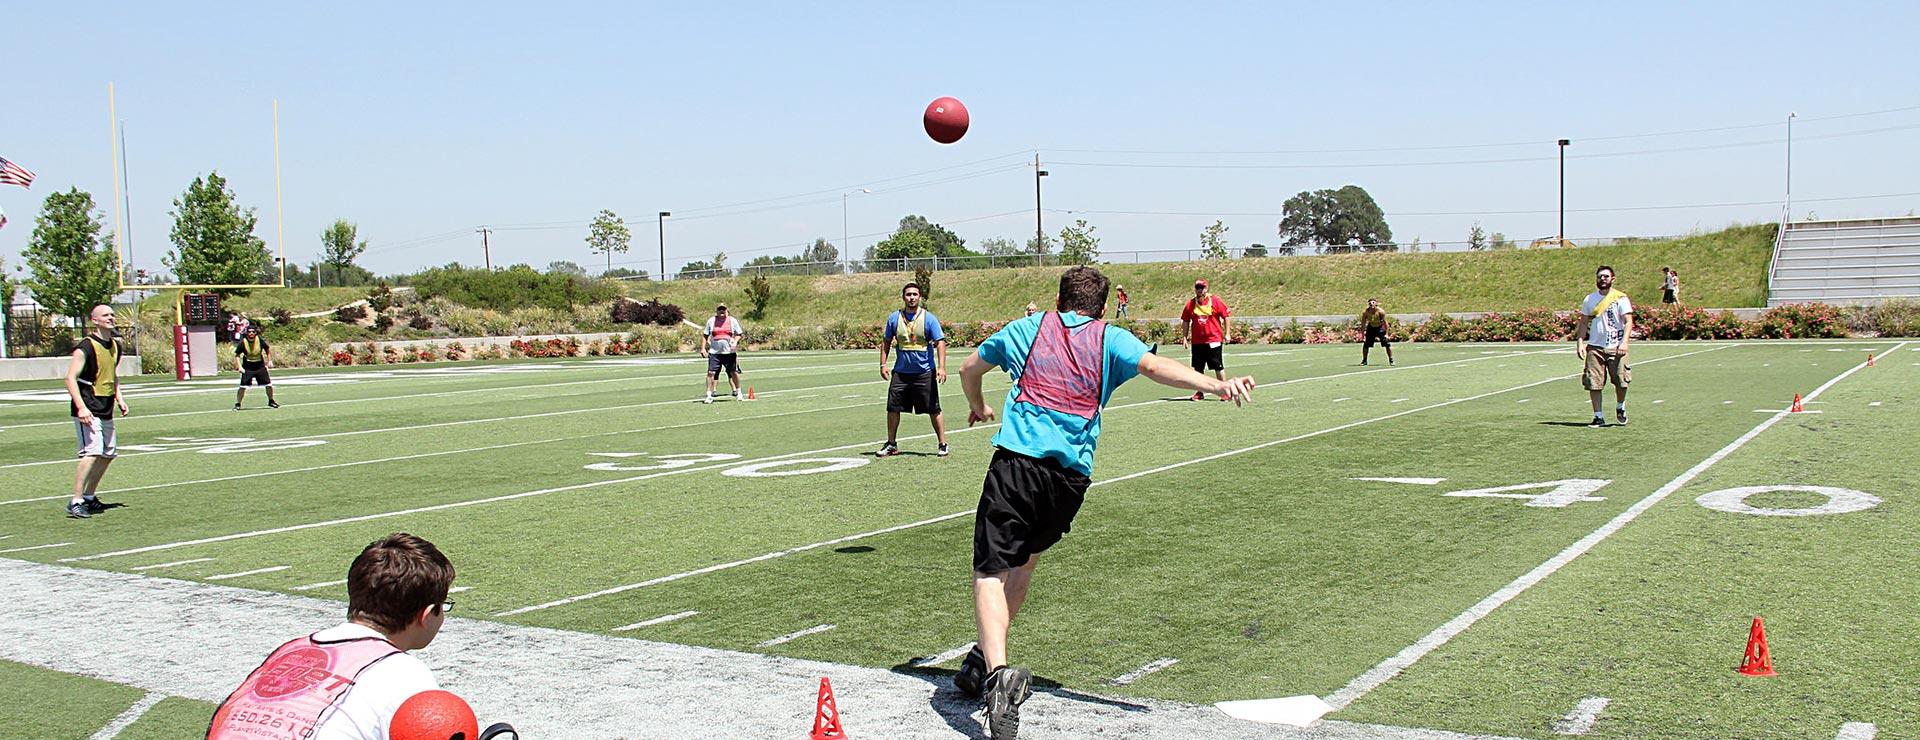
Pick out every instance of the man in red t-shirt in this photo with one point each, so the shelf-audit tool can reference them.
(1206, 327)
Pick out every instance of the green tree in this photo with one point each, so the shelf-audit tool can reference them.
(213, 241)
(566, 267)
(700, 269)
(1040, 245)
(1078, 245)
(904, 244)
(1254, 250)
(759, 292)
(626, 272)
(822, 251)
(1476, 238)
(1213, 241)
(6, 289)
(1500, 242)
(945, 243)
(608, 234)
(72, 264)
(340, 245)
(1336, 221)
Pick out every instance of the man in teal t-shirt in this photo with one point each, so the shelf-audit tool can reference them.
(1065, 366)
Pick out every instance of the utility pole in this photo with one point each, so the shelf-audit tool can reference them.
(663, 243)
(486, 249)
(1561, 239)
(1789, 204)
(1039, 232)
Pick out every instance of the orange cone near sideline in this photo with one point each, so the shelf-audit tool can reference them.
(750, 395)
(1795, 408)
(826, 717)
(1758, 662)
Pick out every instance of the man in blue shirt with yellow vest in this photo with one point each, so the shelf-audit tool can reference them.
(919, 367)
(1065, 365)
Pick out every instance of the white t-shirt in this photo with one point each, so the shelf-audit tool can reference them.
(366, 712)
(1672, 282)
(721, 337)
(1608, 329)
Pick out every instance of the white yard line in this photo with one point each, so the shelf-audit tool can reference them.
(1393, 665)
(459, 589)
(1857, 731)
(964, 512)
(655, 620)
(244, 573)
(1142, 672)
(950, 655)
(35, 547)
(320, 585)
(1579, 721)
(417, 456)
(791, 636)
(127, 718)
(156, 566)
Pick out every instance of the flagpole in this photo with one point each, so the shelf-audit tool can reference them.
(119, 211)
(279, 213)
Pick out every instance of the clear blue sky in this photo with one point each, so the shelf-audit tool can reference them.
(424, 121)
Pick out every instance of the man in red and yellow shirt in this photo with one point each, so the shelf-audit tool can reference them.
(1206, 326)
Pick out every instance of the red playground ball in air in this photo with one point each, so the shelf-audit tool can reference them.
(434, 715)
(946, 120)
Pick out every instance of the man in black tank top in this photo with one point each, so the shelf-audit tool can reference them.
(93, 387)
(254, 356)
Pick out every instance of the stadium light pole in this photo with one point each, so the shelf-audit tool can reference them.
(845, 248)
(1561, 239)
(663, 243)
(1789, 203)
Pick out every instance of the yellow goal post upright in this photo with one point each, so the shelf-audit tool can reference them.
(184, 340)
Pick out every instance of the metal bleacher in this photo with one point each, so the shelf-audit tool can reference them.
(1863, 260)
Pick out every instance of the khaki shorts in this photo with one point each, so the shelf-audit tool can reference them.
(1606, 366)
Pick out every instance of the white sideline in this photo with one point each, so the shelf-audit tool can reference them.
(127, 718)
(1136, 674)
(434, 394)
(417, 456)
(944, 517)
(244, 573)
(1579, 720)
(1393, 665)
(35, 547)
(791, 636)
(590, 484)
(655, 620)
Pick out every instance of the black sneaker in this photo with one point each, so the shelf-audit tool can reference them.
(888, 450)
(1597, 422)
(972, 673)
(78, 510)
(1007, 688)
(1620, 415)
(942, 452)
(236, 406)
(94, 505)
(273, 404)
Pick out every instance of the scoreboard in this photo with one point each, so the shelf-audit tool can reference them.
(203, 309)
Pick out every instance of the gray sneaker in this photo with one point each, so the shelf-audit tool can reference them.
(972, 673)
(78, 510)
(1007, 688)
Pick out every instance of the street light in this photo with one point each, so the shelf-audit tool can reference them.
(1561, 240)
(1789, 204)
(1039, 232)
(845, 248)
(663, 244)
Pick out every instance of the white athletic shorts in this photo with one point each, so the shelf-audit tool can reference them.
(96, 442)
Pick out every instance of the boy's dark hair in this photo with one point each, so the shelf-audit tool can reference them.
(1608, 268)
(915, 286)
(394, 578)
(1083, 289)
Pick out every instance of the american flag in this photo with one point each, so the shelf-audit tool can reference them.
(13, 174)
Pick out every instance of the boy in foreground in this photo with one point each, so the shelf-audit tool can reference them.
(1065, 365)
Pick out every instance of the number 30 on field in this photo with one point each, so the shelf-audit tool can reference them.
(765, 469)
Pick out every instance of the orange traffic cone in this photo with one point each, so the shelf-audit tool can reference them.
(1869, 359)
(1758, 662)
(1795, 408)
(826, 717)
(750, 395)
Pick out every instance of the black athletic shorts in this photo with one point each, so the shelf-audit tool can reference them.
(1026, 505)
(1377, 335)
(254, 374)
(1205, 357)
(1667, 296)
(913, 394)
(729, 362)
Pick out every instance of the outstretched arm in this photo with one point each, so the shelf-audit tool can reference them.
(1172, 374)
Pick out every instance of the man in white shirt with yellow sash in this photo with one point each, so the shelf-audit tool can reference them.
(1605, 328)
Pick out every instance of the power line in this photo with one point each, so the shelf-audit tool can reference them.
(1514, 212)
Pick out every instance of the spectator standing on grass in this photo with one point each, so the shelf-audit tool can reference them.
(1120, 292)
(254, 357)
(93, 390)
(721, 348)
(346, 682)
(1604, 329)
(1669, 286)
(1373, 324)
(1206, 327)
(919, 367)
(1065, 366)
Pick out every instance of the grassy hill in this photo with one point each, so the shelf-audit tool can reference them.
(1723, 269)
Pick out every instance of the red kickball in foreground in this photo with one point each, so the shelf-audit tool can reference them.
(435, 715)
(946, 120)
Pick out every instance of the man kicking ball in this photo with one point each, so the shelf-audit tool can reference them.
(1065, 365)
(254, 357)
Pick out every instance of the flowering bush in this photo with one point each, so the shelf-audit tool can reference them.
(1681, 322)
(342, 357)
(427, 354)
(1803, 320)
(456, 351)
(391, 355)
